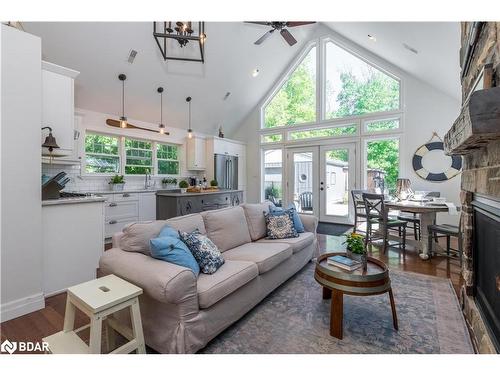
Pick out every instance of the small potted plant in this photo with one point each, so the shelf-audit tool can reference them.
(356, 248)
(183, 185)
(117, 182)
(214, 184)
(169, 182)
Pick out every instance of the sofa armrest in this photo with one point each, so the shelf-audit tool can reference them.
(163, 281)
(116, 239)
(310, 222)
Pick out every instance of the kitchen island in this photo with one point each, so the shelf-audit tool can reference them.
(171, 204)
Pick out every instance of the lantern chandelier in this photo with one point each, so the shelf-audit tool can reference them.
(187, 34)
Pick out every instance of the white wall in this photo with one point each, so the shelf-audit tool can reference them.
(21, 220)
(426, 110)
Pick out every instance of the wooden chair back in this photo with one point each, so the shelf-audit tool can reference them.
(374, 206)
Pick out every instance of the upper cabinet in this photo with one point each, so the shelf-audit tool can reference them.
(196, 154)
(58, 108)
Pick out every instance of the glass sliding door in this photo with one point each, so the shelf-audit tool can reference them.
(302, 179)
(336, 180)
(381, 165)
(273, 175)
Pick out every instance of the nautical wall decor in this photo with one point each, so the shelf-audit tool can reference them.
(437, 145)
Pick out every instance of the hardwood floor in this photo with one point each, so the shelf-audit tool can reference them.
(34, 326)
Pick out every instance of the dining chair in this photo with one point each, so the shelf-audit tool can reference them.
(446, 230)
(359, 207)
(305, 200)
(376, 214)
(413, 219)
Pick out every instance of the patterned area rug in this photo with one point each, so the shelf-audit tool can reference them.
(295, 319)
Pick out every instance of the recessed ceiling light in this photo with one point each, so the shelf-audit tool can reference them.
(372, 38)
(255, 72)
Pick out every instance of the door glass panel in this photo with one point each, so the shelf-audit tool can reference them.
(273, 172)
(303, 181)
(336, 182)
(382, 165)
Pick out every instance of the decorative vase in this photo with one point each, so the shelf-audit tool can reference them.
(117, 187)
(183, 190)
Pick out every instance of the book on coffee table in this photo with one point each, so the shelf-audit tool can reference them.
(343, 262)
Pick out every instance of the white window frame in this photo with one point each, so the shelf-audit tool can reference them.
(84, 158)
(152, 168)
(272, 146)
(156, 159)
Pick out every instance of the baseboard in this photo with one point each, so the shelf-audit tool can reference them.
(22, 306)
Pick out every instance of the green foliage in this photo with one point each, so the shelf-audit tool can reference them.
(214, 183)
(169, 181)
(384, 155)
(326, 132)
(355, 243)
(295, 102)
(272, 191)
(101, 154)
(183, 184)
(117, 179)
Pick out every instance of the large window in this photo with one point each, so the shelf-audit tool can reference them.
(382, 164)
(101, 153)
(354, 87)
(295, 101)
(139, 156)
(167, 158)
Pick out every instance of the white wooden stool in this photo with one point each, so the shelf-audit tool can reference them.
(99, 299)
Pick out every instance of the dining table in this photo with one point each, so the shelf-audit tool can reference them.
(427, 211)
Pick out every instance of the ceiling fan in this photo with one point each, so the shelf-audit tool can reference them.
(281, 27)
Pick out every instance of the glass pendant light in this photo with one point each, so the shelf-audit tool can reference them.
(190, 131)
(123, 119)
(161, 126)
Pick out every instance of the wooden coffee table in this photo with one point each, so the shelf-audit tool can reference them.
(336, 282)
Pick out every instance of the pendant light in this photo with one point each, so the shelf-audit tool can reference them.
(161, 126)
(123, 119)
(190, 131)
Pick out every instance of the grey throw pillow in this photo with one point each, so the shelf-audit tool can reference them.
(280, 225)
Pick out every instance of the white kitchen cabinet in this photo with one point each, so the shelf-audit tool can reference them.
(196, 154)
(147, 206)
(73, 242)
(58, 107)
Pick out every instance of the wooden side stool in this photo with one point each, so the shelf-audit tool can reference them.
(99, 299)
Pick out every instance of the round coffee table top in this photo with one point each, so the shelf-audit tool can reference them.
(358, 282)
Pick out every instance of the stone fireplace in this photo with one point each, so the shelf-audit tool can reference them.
(476, 135)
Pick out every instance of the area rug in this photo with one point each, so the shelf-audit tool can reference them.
(295, 319)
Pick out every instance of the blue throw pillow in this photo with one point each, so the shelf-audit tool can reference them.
(205, 252)
(172, 249)
(168, 231)
(297, 223)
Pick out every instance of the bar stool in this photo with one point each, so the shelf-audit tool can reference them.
(99, 299)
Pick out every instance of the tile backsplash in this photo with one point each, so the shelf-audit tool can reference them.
(79, 183)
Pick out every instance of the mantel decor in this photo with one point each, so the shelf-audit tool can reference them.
(180, 40)
(418, 167)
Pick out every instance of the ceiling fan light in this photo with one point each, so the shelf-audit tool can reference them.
(190, 133)
(162, 129)
(123, 122)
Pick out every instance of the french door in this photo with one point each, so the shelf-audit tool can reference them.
(319, 180)
(337, 177)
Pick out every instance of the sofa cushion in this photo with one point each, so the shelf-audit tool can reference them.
(136, 236)
(171, 249)
(298, 243)
(188, 223)
(254, 212)
(280, 225)
(265, 255)
(204, 251)
(227, 228)
(297, 223)
(231, 276)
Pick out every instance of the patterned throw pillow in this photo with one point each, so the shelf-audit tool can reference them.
(280, 225)
(205, 252)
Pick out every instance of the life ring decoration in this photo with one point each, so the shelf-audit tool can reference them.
(456, 163)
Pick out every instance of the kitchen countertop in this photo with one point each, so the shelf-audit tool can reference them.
(73, 200)
(166, 194)
(104, 192)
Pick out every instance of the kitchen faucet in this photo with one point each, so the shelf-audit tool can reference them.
(147, 182)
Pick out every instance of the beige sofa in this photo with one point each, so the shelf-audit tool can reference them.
(182, 313)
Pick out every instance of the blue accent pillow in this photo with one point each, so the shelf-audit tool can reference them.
(168, 231)
(297, 223)
(205, 252)
(173, 250)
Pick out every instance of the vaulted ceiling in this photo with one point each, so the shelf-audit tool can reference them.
(100, 51)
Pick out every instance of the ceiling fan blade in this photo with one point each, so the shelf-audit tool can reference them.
(294, 24)
(265, 23)
(116, 124)
(264, 37)
(288, 37)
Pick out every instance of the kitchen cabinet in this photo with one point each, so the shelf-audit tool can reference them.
(196, 154)
(147, 206)
(73, 242)
(58, 107)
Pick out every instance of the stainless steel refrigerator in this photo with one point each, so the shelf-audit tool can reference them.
(226, 171)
